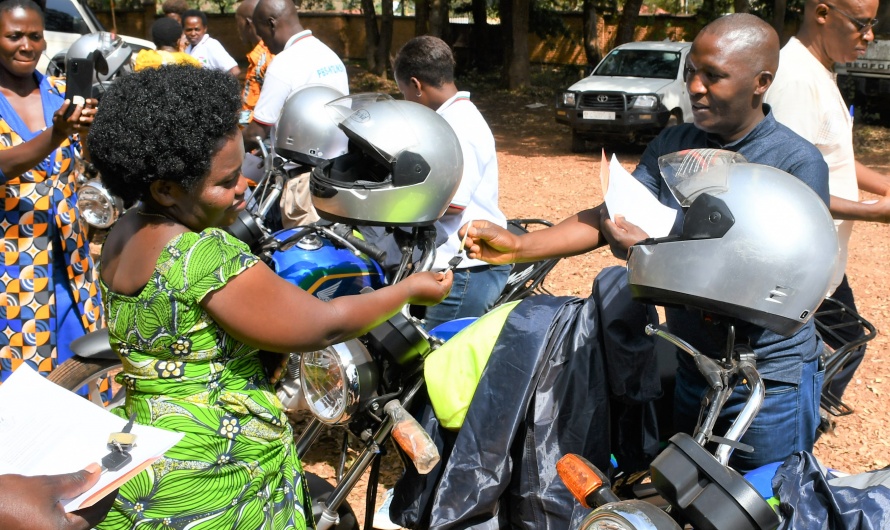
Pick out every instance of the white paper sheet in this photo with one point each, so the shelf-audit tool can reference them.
(626, 196)
(47, 430)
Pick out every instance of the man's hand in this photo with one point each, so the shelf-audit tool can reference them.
(33, 503)
(489, 242)
(620, 234)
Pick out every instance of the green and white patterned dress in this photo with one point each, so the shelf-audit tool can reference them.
(237, 465)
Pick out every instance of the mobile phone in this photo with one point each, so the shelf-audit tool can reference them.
(78, 82)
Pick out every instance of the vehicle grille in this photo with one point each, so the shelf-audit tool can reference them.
(593, 100)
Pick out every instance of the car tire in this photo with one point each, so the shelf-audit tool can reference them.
(579, 143)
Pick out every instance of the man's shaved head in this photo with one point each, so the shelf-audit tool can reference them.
(245, 8)
(745, 35)
(277, 9)
(276, 21)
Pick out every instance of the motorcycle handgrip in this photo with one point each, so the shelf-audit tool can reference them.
(369, 249)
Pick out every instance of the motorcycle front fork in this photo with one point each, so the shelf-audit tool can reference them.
(329, 517)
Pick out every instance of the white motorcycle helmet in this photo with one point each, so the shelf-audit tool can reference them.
(108, 51)
(305, 133)
(757, 245)
(403, 166)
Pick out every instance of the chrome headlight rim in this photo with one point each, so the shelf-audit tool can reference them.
(629, 515)
(337, 379)
(97, 206)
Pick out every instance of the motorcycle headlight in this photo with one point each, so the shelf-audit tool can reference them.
(645, 102)
(629, 515)
(337, 379)
(98, 207)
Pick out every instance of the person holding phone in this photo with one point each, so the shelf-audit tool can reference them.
(51, 293)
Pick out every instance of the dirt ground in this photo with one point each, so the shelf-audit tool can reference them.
(539, 177)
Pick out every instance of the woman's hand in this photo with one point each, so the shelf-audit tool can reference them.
(80, 119)
(34, 502)
(429, 288)
(489, 242)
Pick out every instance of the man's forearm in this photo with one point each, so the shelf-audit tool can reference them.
(575, 235)
(878, 212)
(871, 181)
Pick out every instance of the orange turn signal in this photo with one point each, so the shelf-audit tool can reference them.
(578, 476)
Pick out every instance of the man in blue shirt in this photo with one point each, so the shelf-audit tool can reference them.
(730, 66)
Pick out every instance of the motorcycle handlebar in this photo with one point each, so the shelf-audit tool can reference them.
(365, 247)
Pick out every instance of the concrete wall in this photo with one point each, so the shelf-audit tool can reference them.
(345, 33)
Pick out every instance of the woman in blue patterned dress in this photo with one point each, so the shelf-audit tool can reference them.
(188, 307)
(50, 293)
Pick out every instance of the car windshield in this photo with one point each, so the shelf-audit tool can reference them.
(640, 63)
(63, 16)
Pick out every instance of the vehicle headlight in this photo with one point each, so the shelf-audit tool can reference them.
(568, 99)
(645, 102)
(629, 515)
(337, 379)
(98, 207)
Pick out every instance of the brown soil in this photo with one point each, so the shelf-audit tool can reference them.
(539, 177)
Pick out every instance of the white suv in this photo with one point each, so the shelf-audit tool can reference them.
(66, 21)
(633, 93)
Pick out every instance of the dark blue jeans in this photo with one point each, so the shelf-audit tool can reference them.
(786, 422)
(473, 293)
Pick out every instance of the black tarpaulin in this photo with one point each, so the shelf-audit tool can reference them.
(544, 393)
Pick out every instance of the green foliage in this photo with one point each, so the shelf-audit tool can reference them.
(764, 9)
(546, 22)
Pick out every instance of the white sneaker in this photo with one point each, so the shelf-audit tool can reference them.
(381, 516)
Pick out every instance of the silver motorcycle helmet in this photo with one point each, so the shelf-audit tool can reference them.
(108, 51)
(403, 166)
(305, 132)
(757, 245)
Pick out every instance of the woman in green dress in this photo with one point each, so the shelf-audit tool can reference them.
(188, 307)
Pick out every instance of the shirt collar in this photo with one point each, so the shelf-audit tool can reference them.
(461, 95)
(298, 36)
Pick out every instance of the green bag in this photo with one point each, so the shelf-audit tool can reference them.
(452, 372)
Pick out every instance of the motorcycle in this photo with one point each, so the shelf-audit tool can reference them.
(697, 487)
(363, 385)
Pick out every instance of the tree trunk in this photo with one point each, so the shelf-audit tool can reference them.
(435, 13)
(479, 35)
(779, 18)
(384, 44)
(372, 36)
(444, 12)
(628, 21)
(421, 17)
(517, 72)
(741, 6)
(590, 35)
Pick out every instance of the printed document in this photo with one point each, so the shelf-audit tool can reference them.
(626, 196)
(48, 430)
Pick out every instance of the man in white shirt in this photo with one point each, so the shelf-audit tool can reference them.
(300, 59)
(207, 50)
(805, 97)
(424, 71)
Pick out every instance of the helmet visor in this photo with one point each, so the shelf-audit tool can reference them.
(687, 176)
